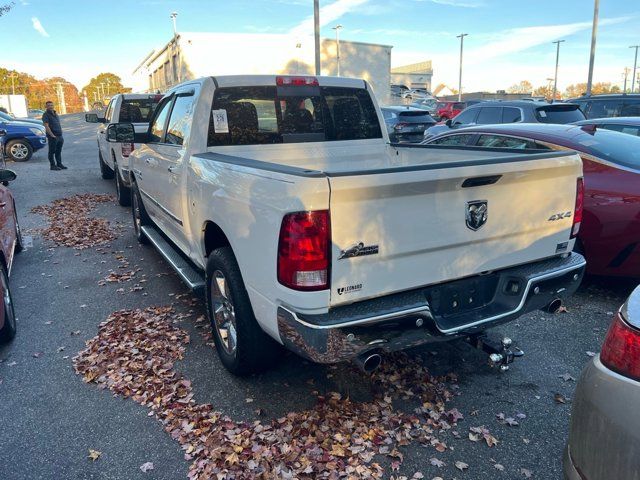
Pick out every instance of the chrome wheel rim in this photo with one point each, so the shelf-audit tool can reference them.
(6, 300)
(19, 150)
(224, 314)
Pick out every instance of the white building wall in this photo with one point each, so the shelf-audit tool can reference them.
(202, 54)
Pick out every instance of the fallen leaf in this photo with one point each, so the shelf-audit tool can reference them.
(559, 398)
(498, 466)
(563, 309)
(527, 473)
(591, 354)
(145, 467)
(436, 462)
(566, 377)
(94, 454)
(461, 466)
(37, 354)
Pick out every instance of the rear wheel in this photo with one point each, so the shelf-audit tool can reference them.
(140, 216)
(242, 345)
(106, 172)
(123, 192)
(8, 330)
(19, 150)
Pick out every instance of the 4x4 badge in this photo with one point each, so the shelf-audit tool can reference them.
(477, 212)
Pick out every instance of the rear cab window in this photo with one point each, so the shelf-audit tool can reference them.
(617, 148)
(292, 114)
(559, 113)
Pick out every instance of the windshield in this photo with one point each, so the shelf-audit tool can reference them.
(559, 114)
(616, 147)
(262, 115)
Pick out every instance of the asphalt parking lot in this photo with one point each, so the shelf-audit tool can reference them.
(50, 418)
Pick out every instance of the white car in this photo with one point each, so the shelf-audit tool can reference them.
(282, 198)
(132, 108)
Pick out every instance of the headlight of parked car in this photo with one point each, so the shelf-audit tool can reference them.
(37, 131)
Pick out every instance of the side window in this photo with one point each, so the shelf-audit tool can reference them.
(467, 117)
(628, 129)
(157, 127)
(452, 140)
(605, 108)
(489, 115)
(630, 108)
(459, 106)
(500, 141)
(109, 111)
(179, 124)
(511, 115)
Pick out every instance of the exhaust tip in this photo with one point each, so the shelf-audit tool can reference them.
(554, 306)
(369, 362)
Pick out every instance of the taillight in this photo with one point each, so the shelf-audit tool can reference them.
(400, 126)
(304, 255)
(297, 81)
(577, 211)
(127, 148)
(621, 349)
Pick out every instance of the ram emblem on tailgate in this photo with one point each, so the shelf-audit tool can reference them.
(477, 212)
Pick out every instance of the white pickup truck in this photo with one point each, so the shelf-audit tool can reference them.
(283, 199)
(114, 158)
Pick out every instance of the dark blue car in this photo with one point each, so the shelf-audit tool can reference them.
(22, 139)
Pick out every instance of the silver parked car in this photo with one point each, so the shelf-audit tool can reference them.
(605, 422)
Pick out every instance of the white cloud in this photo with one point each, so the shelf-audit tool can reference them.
(459, 3)
(328, 14)
(38, 27)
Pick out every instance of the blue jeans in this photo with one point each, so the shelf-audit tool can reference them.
(55, 149)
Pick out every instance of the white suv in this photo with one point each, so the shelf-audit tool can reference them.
(132, 108)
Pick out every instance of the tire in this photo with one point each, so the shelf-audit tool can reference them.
(139, 214)
(230, 312)
(19, 150)
(105, 171)
(19, 244)
(8, 330)
(122, 191)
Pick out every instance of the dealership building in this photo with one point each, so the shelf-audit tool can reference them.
(191, 55)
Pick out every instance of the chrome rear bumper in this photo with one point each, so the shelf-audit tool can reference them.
(408, 319)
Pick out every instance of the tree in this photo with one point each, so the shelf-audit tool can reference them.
(4, 9)
(103, 86)
(599, 88)
(523, 87)
(547, 92)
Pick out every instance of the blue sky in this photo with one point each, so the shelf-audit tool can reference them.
(508, 40)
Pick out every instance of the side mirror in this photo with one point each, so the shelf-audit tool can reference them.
(448, 122)
(121, 133)
(2, 132)
(7, 176)
(93, 118)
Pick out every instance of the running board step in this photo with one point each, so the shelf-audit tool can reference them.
(191, 276)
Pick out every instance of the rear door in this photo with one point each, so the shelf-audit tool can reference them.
(413, 227)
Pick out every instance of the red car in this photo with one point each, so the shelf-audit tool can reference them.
(447, 110)
(10, 243)
(610, 231)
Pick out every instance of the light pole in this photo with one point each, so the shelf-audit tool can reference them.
(316, 32)
(461, 37)
(625, 74)
(13, 87)
(173, 18)
(337, 29)
(635, 64)
(594, 33)
(555, 79)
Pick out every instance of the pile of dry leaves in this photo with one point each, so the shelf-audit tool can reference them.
(70, 224)
(134, 353)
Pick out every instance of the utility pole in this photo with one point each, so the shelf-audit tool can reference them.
(635, 64)
(625, 74)
(337, 29)
(316, 32)
(555, 79)
(173, 17)
(594, 33)
(12, 76)
(461, 37)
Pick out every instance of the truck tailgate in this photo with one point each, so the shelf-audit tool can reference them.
(419, 224)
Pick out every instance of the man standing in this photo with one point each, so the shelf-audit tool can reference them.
(54, 137)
